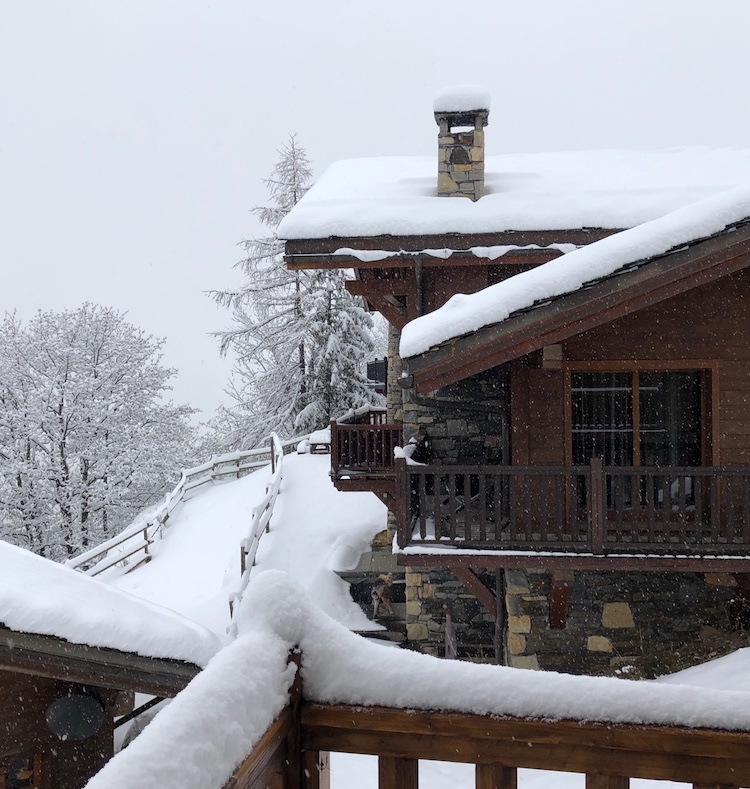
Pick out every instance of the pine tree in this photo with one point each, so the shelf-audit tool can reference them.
(300, 338)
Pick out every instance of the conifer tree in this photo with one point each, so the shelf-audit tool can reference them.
(301, 340)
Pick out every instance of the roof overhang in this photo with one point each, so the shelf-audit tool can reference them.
(320, 253)
(48, 656)
(629, 290)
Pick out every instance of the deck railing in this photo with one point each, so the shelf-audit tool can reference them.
(293, 754)
(362, 442)
(580, 509)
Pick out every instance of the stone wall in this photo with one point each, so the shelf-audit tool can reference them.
(465, 422)
(622, 624)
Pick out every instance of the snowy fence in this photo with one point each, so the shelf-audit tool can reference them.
(259, 525)
(132, 546)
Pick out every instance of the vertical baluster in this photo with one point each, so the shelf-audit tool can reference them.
(451, 479)
(437, 506)
(482, 508)
(714, 507)
(467, 507)
(594, 781)
(495, 776)
(745, 514)
(397, 773)
(422, 505)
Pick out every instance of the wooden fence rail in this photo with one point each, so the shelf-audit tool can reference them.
(292, 754)
(131, 547)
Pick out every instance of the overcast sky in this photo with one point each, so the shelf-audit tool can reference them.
(135, 135)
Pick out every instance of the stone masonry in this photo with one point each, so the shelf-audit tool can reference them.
(461, 153)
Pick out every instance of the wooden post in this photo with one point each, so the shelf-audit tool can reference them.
(316, 770)
(402, 505)
(273, 457)
(595, 781)
(293, 767)
(395, 773)
(496, 776)
(596, 506)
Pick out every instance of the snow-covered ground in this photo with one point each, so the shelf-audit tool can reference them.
(314, 530)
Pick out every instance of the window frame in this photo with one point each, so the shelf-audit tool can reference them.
(709, 382)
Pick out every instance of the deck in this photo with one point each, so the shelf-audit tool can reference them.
(571, 511)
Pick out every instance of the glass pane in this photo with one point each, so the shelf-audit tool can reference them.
(602, 405)
(670, 423)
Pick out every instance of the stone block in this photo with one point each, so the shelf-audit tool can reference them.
(413, 579)
(525, 661)
(466, 187)
(417, 631)
(413, 608)
(599, 644)
(477, 154)
(617, 615)
(412, 593)
(456, 426)
(516, 582)
(720, 579)
(428, 592)
(516, 644)
(446, 184)
(465, 168)
(519, 624)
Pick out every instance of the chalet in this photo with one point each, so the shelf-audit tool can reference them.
(569, 371)
(73, 651)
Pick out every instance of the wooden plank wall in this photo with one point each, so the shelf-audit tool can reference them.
(708, 323)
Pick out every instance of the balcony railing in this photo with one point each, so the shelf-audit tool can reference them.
(577, 509)
(362, 443)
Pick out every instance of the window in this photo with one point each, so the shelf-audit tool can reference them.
(637, 418)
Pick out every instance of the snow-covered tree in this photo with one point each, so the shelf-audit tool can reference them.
(301, 340)
(85, 438)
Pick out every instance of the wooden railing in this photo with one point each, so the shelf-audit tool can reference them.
(362, 443)
(293, 752)
(132, 546)
(260, 523)
(582, 509)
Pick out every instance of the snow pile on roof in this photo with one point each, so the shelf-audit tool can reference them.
(42, 597)
(463, 314)
(461, 98)
(543, 191)
(209, 728)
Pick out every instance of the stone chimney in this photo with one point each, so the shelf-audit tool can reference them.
(461, 112)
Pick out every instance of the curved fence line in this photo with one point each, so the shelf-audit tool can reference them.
(135, 541)
(259, 525)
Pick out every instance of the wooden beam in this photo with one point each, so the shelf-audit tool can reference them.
(581, 310)
(47, 656)
(562, 581)
(268, 756)
(656, 752)
(396, 773)
(474, 584)
(496, 776)
(595, 781)
(491, 559)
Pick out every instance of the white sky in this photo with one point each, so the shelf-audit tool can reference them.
(134, 136)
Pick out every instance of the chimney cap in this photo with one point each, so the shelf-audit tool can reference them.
(461, 99)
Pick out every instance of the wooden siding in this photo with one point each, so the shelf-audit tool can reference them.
(709, 324)
(23, 701)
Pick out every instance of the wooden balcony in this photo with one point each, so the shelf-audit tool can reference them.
(293, 753)
(604, 513)
(362, 457)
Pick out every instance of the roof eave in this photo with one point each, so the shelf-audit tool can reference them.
(624, 292)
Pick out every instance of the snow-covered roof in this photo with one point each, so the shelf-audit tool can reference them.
(466, 313)
(612, 189)
(211, 726)
(45, 598)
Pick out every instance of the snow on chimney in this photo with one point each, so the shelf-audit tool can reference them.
(461, 112)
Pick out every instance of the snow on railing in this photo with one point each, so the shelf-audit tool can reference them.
(131, 547)
(259, 525)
